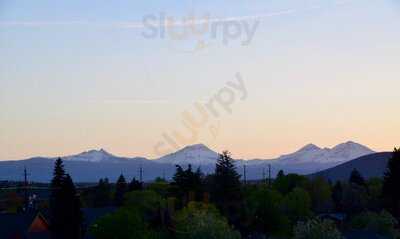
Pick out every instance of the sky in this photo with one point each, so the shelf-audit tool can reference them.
(144, 78)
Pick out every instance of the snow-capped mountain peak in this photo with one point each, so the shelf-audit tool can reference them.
(350, 150)
(309, 147)
(314, 154)
(197, 154)
(92, 156)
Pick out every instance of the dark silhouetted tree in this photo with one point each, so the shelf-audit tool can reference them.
(73, 215)
(280, 174)
(390, 190)
(356, 178)
(102, 194)
(120, 189)
(135, 185)
(188, 182)
(56, 199)
(226, 188)
(65, 207)
(337, 196)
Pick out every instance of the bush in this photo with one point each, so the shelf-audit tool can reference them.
(297, 205)
(199, 221)
(316, 229)
(135, 219)
(123, 224)
(382, 223)
(264, 214)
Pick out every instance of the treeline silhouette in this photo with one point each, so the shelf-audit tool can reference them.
(219, 205)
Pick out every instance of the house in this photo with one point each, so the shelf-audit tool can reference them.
(24, 226)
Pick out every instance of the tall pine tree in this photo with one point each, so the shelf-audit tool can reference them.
(227, 187)
(135, 185)
(65, 207)
(56, 200)
(357, 178)
(390, 191)
(73, 214)
(120, 189)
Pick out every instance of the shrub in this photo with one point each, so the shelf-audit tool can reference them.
(382, 223)
(316, 229)
(199, 221)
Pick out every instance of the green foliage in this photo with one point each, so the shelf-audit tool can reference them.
(186, 181)
(316, 229)
(382, 223)
(297, 205)
(355, 198)
(199, 221)
(375, 194)
(285, 184)
(390, 191)
(123, 224)
(321, 194)
(146, 201)
(264, 212)
(160, 186)
(141, 217)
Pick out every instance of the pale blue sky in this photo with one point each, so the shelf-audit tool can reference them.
(73, 77)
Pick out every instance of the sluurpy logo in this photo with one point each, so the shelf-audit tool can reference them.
(201, 31)
(205, 117)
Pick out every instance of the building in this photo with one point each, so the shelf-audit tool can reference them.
(24, 226)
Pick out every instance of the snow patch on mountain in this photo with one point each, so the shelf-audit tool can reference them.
(314, 154)
(92, 156)
(197, 154)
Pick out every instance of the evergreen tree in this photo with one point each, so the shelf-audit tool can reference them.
(226, 179)
(135, 185)
(281, 174)
(337, 196)
(187, 181)
(120, 189)
(65, 208)
(356, 178)
(57, 200)
(226, 188)
(390, 191)
(73, 215)
(102, 194)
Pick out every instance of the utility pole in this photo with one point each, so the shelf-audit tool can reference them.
(263, 176)
(269, 175)
(141, 174)
(26, 199)
(244, 174)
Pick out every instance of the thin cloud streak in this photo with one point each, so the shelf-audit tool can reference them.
(139, 24)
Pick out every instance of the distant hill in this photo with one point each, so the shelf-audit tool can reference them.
(373, 165)
(41, 169)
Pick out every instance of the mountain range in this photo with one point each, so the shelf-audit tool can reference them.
(91, 165)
